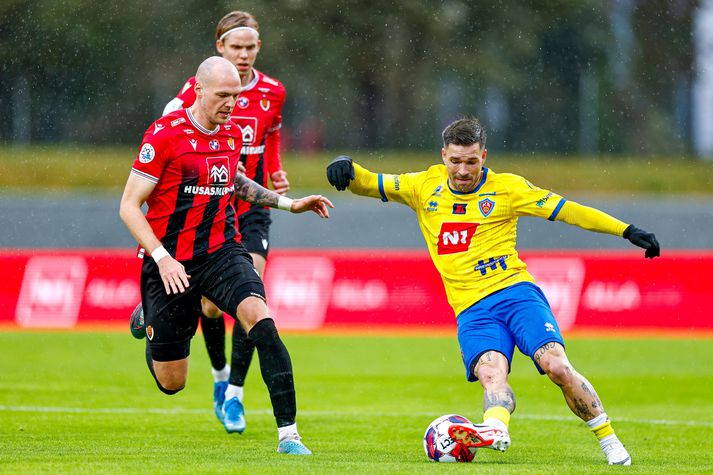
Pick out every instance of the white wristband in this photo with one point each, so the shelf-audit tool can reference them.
(159, 253)
(284, 203)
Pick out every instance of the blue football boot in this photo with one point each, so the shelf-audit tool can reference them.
(293, 446)
(234, 416)
(219, 388)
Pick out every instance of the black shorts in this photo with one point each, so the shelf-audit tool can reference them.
(254, 225)
(226, 277)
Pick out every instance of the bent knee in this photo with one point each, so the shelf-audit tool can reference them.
(491, 368)
(172, 384)
(210, 310)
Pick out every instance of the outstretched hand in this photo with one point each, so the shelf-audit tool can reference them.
(317, 203)
(643, 239)
(340, 172)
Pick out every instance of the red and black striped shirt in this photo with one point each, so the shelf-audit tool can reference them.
(190, 210)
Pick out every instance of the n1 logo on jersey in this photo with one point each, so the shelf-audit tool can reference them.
(455, 237)
(218, 171)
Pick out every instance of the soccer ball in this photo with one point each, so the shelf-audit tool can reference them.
(438, 444)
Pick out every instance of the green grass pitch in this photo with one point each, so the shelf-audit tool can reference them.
(85, 402)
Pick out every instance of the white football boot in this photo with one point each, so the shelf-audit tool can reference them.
(614, 450)
(480, 436)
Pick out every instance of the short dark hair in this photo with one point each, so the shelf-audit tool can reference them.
(465, 131)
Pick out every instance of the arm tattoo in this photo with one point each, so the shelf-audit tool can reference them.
(250, 191)
(503, 398)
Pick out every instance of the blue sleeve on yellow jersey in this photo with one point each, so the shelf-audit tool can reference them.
(554, 214)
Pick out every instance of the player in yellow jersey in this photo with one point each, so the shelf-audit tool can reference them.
(468, 215)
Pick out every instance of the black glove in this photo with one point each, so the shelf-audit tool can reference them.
(340, 172)
(643, 239)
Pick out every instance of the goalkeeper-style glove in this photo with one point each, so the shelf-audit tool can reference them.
(340, 172)
(643, 239)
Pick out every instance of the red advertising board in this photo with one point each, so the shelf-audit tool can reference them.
(314, 289)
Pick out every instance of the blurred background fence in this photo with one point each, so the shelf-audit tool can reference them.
(585, 77)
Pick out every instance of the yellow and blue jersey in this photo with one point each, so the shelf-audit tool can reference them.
(471, 236)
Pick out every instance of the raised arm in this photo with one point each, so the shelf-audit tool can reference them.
(252, 192)
(343, 173)
(599, 221)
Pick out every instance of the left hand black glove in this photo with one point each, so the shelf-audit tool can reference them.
(340, 172)
(643, 239)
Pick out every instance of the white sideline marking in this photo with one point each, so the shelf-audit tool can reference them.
(181, 410)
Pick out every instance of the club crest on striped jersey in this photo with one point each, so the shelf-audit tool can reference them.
(486, 206)
(218, 171)
(147, 153)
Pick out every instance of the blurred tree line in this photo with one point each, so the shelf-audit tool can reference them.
(589, 76)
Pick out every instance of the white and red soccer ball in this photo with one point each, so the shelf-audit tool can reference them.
(440, 447)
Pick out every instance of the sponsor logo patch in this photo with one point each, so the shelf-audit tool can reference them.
(158, 128)
(459, 208)
(178, 121)
(214, 145)
(243, 102)
(541, 202)
(218, 171)
(432, 206)
(147, 153)
(455, 237)
(486, 206)
(193, 142)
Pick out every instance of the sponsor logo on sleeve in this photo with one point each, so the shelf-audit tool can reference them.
(178, 121)
(186, 86)
(147, 153)
(158, 128)
(541, 202)
(486, 206)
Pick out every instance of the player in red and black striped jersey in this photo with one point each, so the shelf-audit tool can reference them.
(258, 115)
(186, 172)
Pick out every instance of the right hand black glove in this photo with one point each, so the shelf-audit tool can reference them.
(643, 239)
(340, 172)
